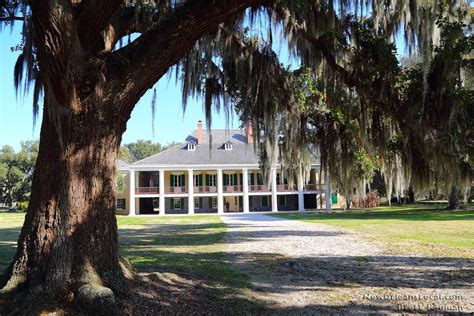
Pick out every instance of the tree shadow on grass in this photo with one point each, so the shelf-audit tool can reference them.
(8, 243)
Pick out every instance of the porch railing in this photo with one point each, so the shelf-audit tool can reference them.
(310, 187)
(147, 190)
(285, 188)
(205, 189)
(176, 190)
(258, 188)
(232, 188)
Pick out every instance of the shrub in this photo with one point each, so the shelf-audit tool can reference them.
(22, 206)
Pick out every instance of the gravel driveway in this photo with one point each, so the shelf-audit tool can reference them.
(302, 268)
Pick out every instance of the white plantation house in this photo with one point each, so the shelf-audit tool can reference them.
(217, 174)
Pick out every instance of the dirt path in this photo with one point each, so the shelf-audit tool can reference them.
(303, 268)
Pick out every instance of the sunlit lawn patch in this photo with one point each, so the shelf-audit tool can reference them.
(419, 226)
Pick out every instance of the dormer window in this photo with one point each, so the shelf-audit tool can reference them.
(228, 146)
(191, 146)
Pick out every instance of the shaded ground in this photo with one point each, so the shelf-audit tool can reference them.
(194, 277)
(298, 267)
(376, 261)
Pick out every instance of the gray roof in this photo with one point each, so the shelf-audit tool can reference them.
(122, 164)
(241, 153)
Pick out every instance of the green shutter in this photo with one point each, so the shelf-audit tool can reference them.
(241, 201)
(182, 203)
(252, 182)
(171, 180)
(183, 180)
(250, 201)
(241, 179)
(235, 178)
(226, 182)
(207, 180)
(210, 202)
(200, 180)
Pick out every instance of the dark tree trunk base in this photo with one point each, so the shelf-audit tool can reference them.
(87, 299)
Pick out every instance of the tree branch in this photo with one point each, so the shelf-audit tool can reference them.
(12, 18)
(93, 19)
(147, 59)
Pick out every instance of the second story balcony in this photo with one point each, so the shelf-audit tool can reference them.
(310, 187)
(205, 189)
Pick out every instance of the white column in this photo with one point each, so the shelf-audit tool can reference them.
(300, 194)
(328, 190)
(220, 197)
(190, 192)
(162, 192)
(274, 191)
(131, 198)
(245, 187)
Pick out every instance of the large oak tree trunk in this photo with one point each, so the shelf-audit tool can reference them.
(69, 238)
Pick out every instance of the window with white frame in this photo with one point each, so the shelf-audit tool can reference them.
(228, 146)
(156, 204)
(196, 202)
(212, 180)
(177, 203)
(214, 202)
(229, 179)
(178, 180)
(191, 146)
(120, 204)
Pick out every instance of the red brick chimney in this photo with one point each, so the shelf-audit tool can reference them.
(249, 133)
(199, 136)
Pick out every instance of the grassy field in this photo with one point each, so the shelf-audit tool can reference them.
(170, 253)
(425, 228)
(184, 245)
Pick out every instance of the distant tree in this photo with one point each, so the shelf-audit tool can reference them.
(169, 145)
(16, 172)
(141, 149)
(124, 154)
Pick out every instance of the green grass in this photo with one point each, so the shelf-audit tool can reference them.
(425, 226)
(189, 247)
(10, 226)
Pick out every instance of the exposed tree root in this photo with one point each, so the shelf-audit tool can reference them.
(89, 294)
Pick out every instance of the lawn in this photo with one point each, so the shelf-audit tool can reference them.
(179, 258)
(188, 246)
(10, 226)
(418, 228)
